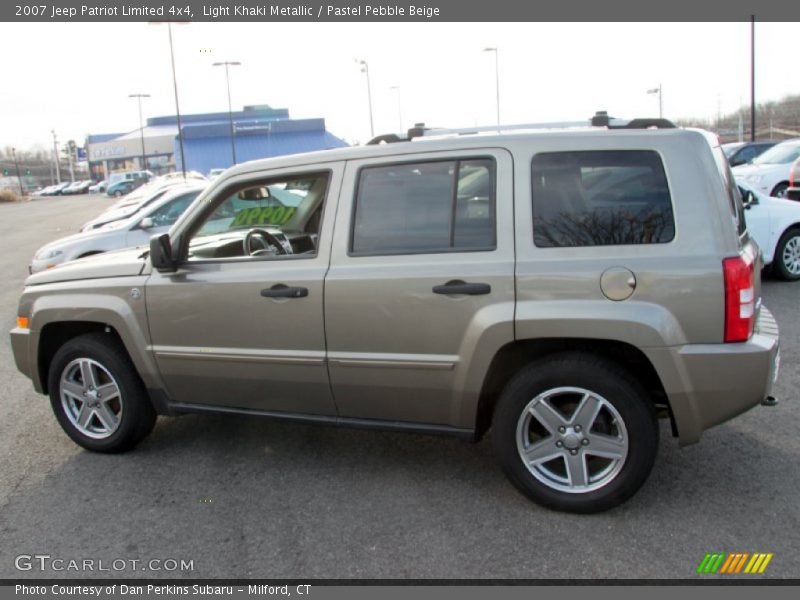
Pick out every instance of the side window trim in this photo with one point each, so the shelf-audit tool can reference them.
(457, 161)
(197, 221)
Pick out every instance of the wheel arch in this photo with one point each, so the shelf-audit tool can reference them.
(515, 355)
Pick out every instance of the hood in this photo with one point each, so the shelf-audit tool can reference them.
(122, 263)
(745, 170)
(109, 216)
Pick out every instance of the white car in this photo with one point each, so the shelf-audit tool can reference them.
(769, 172)
(775, 225)
(98, 187)
(132, 203)
(136, 230)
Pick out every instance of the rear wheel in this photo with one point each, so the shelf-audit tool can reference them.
(786, 262)
(575, 433)
(97, 395)
(779, 191)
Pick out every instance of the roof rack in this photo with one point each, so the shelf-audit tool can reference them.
(600, 119)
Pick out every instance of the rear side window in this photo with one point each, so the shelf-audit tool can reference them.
(732, 190)
(425, 207)
(600, 198)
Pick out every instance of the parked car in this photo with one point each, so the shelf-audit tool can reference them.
(214, 173)
(740, 153)
(775, 225)
(134, 202)
(98, 187)
(144, 176)
(449, 285)
(55, 190)
(769, 172)
(135, 230)
(122, 187)
(77, 187)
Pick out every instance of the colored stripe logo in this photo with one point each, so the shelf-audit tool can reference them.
(733, 563)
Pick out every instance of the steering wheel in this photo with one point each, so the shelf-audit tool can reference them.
(267, 239)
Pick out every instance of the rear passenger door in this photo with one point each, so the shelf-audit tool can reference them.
(422, 267)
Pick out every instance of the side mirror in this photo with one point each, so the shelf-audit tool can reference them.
(146, 223)
(161, 254)
(750, 199)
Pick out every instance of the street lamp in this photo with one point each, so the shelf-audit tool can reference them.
(399, 107)
(141, 125)
(657, 90)
(496, 80)
(226, 64)
(365, 70)
(16, 166)
(175, 86)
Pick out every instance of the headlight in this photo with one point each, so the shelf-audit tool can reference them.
(754, 178)
(49, 254)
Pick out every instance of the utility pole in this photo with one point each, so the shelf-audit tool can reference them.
(16, 166)
(55, 156)
(496, 81)
(70, 151)
(365, 70)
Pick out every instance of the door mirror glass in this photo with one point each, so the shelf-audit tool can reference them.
(161, 253)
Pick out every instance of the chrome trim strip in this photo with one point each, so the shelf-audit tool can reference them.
(299, 357)
(393, 364)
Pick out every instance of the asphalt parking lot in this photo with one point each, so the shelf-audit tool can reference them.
(256, 498)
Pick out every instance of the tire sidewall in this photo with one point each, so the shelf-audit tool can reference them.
(127, 381)
(777, 260)
(620, 390)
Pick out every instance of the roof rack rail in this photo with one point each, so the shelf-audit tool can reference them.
(600, 119)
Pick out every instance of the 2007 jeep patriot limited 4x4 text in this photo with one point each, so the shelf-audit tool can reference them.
(560, 287)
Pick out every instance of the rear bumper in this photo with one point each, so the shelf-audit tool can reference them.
(708, 384)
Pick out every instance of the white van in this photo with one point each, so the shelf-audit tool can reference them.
(129, 176)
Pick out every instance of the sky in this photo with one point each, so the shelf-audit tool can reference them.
(75, 78)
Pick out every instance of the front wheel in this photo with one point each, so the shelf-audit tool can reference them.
(779, 191)
(117, 194)
(575, 433)
(786, 262)
(97, 395)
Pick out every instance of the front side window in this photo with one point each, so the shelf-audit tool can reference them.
(437, 206)
(600, 198)
(265, 219)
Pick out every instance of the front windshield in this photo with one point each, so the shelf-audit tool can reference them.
(779, 155)
(729, 149)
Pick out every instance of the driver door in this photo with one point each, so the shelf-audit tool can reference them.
(224, 332)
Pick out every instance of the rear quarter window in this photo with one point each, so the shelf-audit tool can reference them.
(600, 198)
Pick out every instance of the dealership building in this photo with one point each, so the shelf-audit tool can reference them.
(258, 132)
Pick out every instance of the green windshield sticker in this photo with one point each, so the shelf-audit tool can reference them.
(270, 215)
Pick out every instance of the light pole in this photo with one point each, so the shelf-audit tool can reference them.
(16, 167)
(55, 156)
(399, 107)
(660, 102)
(175, 86)
(496, 80)
(752, 78)
(141, 126)
(365, 70)
(226, 64)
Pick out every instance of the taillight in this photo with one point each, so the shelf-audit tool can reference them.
(793, 173)
(740, 301)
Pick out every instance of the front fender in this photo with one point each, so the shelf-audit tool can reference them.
(116, 305)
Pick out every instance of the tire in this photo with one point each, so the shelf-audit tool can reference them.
(624, 428)
(779, 191)
(117, 194)
(114, 424)
(786, 261)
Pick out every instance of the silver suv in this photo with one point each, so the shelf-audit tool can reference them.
(563, 288)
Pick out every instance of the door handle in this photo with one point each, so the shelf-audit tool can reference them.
(280, 290)
(461, 287)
